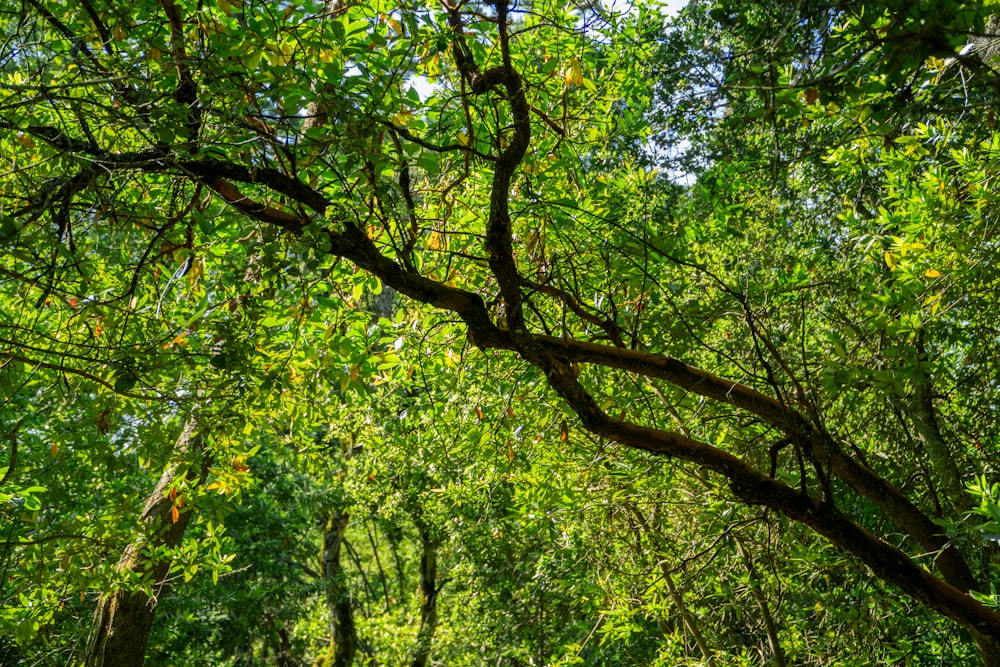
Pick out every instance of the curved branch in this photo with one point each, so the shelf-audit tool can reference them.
(754, 488)
(554, 355)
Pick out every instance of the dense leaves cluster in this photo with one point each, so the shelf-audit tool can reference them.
(534, 333)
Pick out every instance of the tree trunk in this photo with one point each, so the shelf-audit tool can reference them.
(428, 598)
(689, 622)
(123, 618)
(925, 423)
(343, 633)
(765, 611)
(989, 649)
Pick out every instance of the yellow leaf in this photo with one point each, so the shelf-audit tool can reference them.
(436, 241)
(936, 64)
(196, 271)
(931, 273)
(573, 74)
(279, 55)
(329, 55)
(890, 261)
(463, 138)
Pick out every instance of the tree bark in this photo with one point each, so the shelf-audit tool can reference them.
(989, 650)
(123, 618)
(428, 598)
(343, 633)
(925, 423)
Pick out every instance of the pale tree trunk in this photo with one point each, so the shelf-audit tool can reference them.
(686, 617)
(429, 590)
(945, 469)
(343, 633)
(676, 597)
(925, 422)
(761, 600)
(123, 619)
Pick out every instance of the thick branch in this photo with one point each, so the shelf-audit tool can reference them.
(751, 487)
(860, 478)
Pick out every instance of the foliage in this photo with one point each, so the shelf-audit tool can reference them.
(666, 341)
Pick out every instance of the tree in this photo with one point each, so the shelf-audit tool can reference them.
(155, 152)
(124, 618)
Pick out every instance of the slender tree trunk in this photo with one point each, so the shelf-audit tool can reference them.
(123, 619)
(926, 425)
(688, 620)
(765, 611)
(686, 617)
(343, 633)
(428, 598)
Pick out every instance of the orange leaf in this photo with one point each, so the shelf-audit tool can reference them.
(479, 413)
(175, 514)
(54, 449)
(103, 423)
(563, 431)
(173, 494)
